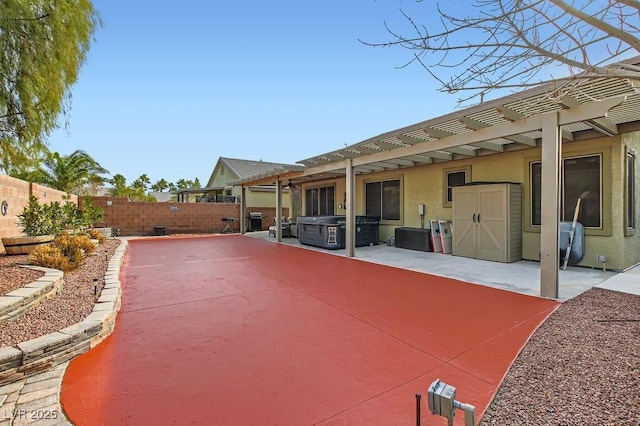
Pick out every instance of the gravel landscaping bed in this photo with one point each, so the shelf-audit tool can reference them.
(581, 367)
(74, 302)
(13, 276)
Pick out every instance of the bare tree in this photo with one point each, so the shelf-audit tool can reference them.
(515, 43)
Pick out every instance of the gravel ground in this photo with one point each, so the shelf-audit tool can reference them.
(581, 367)
(74, 302)
(13, 276)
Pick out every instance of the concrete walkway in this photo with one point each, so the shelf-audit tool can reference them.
(34, 400)
(522, 276)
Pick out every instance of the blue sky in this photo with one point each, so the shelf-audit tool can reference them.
(169, 87)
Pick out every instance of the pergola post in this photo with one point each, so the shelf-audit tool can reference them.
(278, 209)
(550, 208)
(243, 207)
(350, 231)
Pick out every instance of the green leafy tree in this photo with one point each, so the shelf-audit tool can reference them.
(196, 183)
(70, 173)
(171, 187)
(29, 168)
(92, 186)
(43, 45)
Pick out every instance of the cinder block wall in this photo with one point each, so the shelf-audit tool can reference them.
(16, 193)
(140, 218)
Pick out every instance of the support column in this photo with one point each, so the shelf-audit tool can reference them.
(350, 231)
(279, 209)
(550, 217)
(243, 208)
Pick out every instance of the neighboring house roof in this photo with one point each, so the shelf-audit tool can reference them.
(193, 190)
(247, 168)
(161, 197)
(229, 171)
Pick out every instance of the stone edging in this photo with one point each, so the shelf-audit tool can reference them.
(45, 352)
(17, 302)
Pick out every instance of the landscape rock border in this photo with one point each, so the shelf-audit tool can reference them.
(46, 352)
(18, 301)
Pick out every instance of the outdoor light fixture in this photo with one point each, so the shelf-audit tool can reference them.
(442, 402)
(95, 286)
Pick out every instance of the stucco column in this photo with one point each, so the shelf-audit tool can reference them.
(243, 207)
(350, 231)
(279, 209)
(550, 199)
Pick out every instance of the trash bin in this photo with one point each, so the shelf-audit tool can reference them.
(159, 230)
(255, 221)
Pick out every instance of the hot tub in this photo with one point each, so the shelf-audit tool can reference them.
(329, 231)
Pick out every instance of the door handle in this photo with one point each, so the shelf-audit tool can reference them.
(474, 218)
(478, 217)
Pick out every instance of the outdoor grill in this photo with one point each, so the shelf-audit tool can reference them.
(255, 221)
(330, 231)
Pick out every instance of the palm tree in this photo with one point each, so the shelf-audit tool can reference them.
(119, 183)
(183, 184)
(160, 185)
(69, 173)
(196, 183)
(142, 182)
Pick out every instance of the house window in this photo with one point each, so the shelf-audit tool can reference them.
(451, 178)
(581, 178)
(320, 201)
(630, 199)
(383, 199)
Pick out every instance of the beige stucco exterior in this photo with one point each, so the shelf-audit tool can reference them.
(256, 196)
(424, 185)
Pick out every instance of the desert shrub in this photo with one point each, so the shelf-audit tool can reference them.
(90, 214)
(64, 253)
(70, 244)
(37, 219)
(52, 218)
(50, 257)
(94, 234)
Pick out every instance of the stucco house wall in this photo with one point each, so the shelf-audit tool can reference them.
(222, 175)
(425, 185)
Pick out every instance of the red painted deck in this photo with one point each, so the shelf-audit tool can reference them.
(231, 330)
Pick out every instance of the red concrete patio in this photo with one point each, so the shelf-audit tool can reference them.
(231, 330)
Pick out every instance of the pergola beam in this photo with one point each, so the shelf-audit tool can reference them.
(529, 124)
(602, 125)
(410, 140)
(508, 114)
(472, 124)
